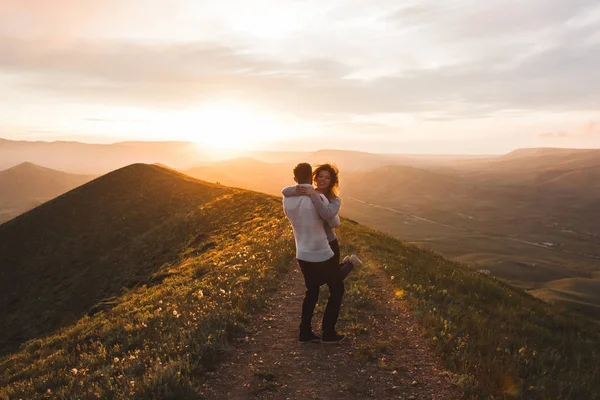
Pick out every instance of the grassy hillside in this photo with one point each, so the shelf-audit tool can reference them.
(116, 232)
(578, 294)
(500, 341)
(158, 273)
(139, 289)
(27, 185)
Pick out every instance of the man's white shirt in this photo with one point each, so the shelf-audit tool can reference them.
(311, 240)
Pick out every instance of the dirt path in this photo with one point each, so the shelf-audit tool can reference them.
(383, 356)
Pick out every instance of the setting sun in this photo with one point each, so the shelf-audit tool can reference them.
(228, 126)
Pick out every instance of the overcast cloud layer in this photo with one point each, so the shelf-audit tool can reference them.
(404, 76)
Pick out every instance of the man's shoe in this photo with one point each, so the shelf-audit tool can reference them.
(346, 268)
(308, 337)
(332, 338)
(346, 259)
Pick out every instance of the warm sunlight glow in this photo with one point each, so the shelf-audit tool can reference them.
(228, 126)
(276, 22)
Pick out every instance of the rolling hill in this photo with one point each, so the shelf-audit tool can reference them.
(529, 167)
(578, 294)
(113, 232)
(88, 158)
(528, 217)
(27, 185)
(138, 284)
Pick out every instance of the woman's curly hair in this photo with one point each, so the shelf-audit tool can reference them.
(333, 189)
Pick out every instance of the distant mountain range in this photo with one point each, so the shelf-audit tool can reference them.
(85, 158)
(88, 158)
(27, 185)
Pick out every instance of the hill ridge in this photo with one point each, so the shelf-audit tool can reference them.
(26, 185)
(186, 266)
(102, 216)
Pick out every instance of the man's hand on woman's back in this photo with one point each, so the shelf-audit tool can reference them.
(305, 190)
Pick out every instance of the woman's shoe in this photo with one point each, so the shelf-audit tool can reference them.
(349, 263)
(355, 260)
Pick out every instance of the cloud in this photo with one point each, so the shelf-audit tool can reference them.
(472, 19)
(58, 22)
(493, 63)
(553, 135)
(180, 74)
(584, 135)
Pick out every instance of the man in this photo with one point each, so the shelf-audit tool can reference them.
(316, 260)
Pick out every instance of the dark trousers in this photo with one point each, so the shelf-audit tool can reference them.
(315, 275)
(335, 246)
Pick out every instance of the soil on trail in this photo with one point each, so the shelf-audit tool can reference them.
(385, 357)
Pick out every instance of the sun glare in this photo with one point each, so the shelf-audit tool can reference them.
(227, 126)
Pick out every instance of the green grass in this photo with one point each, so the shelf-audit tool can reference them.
(501, 342)
(158, 341)
(173, 309)
(165, 332)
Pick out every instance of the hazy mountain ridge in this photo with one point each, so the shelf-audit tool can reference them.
(27, 185)
(79, 157)
(528, 166)
(247, 173)
(87, 158)
(112, 232)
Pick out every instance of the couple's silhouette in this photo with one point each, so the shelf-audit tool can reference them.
(313, 214)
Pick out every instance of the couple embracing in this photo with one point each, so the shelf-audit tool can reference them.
(313, 214)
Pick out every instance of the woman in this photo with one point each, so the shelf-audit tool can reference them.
(326, 178)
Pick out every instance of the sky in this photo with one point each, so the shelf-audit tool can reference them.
(459, 76)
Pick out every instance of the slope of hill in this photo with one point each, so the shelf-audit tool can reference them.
(145, 266)
(153, 276)
(578, 294)
(113, 232)
(528, 166)
(527, 235)
(401, 182)
(507, 343)
(27, 185)
(581, 182)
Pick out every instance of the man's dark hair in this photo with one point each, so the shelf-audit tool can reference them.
(303, 173)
